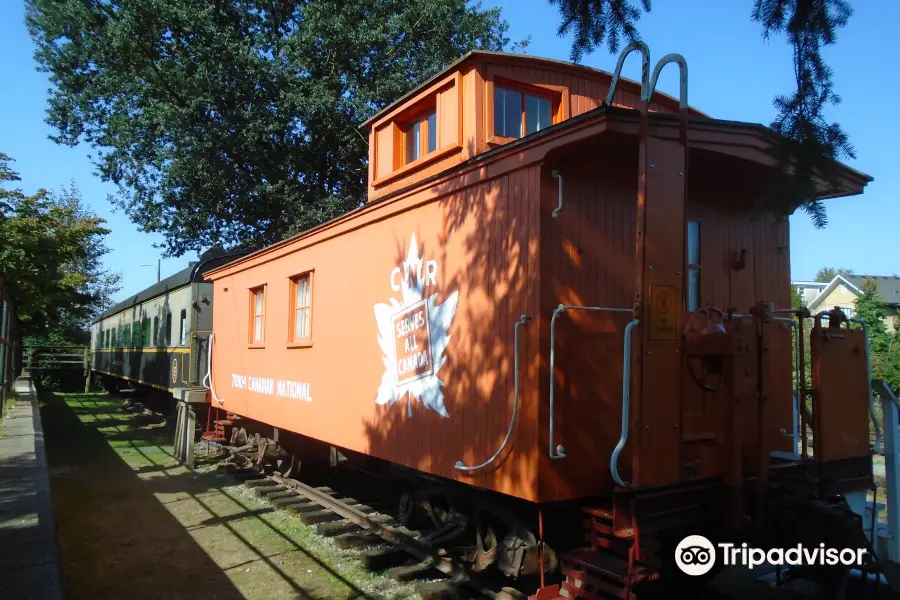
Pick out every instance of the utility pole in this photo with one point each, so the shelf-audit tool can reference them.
(158, 269)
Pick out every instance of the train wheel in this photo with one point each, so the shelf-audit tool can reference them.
(485, 543)
(405, 509)
(110, 384)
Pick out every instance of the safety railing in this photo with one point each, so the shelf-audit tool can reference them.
(878, 434)
(559, 452)
(626, 405)
(209, 376)
(523, 320)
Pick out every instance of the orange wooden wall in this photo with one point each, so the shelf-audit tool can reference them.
(496, 278)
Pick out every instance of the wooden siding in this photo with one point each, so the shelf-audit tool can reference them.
(487, 226)
(482, 239)
(587, 255)
(465, 111)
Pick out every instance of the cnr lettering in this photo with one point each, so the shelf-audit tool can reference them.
(399, 275)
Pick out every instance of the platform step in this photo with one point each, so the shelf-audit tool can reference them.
(600, 575)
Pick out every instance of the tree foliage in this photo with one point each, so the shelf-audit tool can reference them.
(235, 122)
(826, 274)
(809, 144)
(50, 260)
(797, 300)
(884, 346)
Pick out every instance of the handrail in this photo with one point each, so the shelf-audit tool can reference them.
(878, 435)
(512, 422)
(626, 405)
(560, 451)
(559, 192)
(683, 78)
(208, 376)
(645, 70)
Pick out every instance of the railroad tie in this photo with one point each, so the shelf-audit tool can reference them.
(379, 559)
(319, 516)
(346, 541)
(420, 570)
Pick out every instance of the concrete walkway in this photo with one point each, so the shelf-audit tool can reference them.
(29, 559)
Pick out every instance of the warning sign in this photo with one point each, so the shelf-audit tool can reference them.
(663, 313)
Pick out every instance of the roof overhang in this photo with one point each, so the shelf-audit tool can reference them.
(747, 141)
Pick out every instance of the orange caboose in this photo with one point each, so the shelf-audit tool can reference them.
(564, 288)
(509, 308)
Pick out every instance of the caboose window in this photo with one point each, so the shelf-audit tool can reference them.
(537, 114)
(420, 136)
(693, 265)
(156, 337)
(258, 314)
(301, 300)
(510, 106)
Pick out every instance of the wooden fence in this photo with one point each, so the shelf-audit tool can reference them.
(52, 358)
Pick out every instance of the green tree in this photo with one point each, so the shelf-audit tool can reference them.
(826, 274)
(236, 122)
(797, 300)
(885, 352)
(809, 143)
(50, 259)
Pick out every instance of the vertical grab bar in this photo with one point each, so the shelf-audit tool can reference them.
(645, 71)
(878, 435)
(560, 451)
(626, 405)
(208, 376)
(683, 78)
(512, 422)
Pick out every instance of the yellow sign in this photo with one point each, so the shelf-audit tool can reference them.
(663, 313)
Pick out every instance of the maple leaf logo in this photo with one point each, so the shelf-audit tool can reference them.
(413, 334)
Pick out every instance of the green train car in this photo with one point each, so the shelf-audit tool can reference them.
(158, 338)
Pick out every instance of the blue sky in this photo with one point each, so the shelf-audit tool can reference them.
(734, 74)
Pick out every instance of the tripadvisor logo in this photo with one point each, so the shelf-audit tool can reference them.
(695, 555)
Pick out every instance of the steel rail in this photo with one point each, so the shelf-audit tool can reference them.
(423, 552)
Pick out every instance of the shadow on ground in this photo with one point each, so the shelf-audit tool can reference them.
(134, 524)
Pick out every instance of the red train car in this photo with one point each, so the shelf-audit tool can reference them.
(508, 310)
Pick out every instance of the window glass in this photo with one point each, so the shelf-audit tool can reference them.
(145, 331)
(693, 242)
(413, 141)
(168, 329)
(432, 131)
(183, 328)
(126, 336)
(303, 308)
(507, 112)
(259, 308)
(537, 114)
(693, 295)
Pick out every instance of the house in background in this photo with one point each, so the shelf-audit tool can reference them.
(809, 290)
(843, 290)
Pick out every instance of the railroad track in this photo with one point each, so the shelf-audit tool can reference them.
(405, 554)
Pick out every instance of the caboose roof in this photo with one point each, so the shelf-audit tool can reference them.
(753, 142)
(470, 56)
